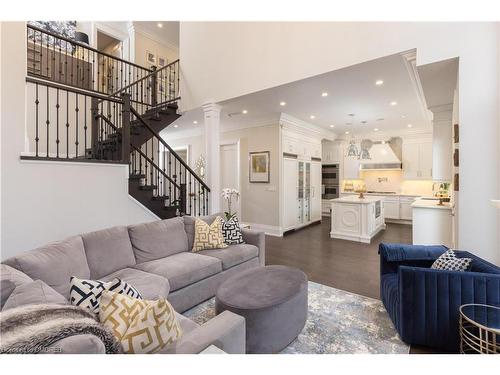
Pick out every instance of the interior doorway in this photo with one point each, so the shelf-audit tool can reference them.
(230, 174)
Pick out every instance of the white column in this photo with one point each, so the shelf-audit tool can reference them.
(212, 153)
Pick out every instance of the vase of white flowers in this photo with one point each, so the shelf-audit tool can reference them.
(230, 194)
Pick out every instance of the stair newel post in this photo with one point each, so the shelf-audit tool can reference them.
(125, 127)
(94, 109)
(154, 87)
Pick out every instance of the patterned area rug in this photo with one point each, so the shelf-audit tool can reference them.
(338, 322)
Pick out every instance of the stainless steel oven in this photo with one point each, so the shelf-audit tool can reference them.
(330, 181)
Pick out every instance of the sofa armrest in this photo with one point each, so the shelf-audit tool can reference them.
(226, 331)
(258, 239)
(429, 302)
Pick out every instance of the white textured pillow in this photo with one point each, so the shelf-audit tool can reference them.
(449, 262)
(87, 293)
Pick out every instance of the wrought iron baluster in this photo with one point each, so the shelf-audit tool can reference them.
(76, 125)
(57, 123)
(67, 124)
(47, 121)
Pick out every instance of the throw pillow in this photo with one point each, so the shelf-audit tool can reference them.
(232, 232)
(87, 293)
(208, 236)
(141, 326)
(33, 293)
(449, 262)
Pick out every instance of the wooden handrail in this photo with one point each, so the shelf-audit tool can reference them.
(58, 36)
(156, 71)
(160, 139)
(92, 94)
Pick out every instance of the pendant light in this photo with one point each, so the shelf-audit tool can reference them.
(364, 154)
(352, 150)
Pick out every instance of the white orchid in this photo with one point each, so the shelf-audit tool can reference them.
(228, 195)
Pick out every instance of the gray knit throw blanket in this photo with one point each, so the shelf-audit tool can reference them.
(34, 329)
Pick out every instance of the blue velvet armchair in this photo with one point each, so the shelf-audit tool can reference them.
(423, 303)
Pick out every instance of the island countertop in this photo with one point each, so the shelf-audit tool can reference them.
(355, 199)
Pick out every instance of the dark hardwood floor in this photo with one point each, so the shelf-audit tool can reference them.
(341, 264)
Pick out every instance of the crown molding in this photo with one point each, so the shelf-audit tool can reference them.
(410, 61)
(140, 30)
(302, 127)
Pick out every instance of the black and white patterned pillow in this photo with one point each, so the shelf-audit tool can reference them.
(87, 293)
(449, 262)
(232, 232)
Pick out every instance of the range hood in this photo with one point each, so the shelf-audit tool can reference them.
(383, 156)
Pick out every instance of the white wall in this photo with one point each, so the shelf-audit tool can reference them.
(259, 202)
(41, 201)
(249, 56)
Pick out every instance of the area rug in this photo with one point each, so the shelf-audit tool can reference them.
(338, 322)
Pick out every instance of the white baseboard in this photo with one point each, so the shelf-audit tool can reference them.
(270, 230)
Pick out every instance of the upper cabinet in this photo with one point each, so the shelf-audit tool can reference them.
(296, 144)
(417, 160)
(331, 153)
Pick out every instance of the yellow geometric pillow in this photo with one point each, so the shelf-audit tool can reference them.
(141, 326)
(208, 236)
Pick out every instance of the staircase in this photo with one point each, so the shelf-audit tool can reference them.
(108, 110)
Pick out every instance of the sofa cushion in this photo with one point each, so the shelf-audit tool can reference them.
(189, 226)
(150, 286)
(35, 292)
(108, 250)
(233, 255)
(54, 263)
(158, 239)
(11, 274)
(183, 269)
(389, 293)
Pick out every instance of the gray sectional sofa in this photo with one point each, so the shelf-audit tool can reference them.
(156, 259)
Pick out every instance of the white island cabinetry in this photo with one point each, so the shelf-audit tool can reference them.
(357, 219)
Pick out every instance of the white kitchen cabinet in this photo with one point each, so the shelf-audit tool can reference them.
(405, 209)
(290, 194)
(391, 207)
(417, 160)
(351, 168)
(331, 152)
(315, 191)
(432, 225)
(302, 193)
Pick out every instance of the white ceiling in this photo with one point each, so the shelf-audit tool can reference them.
(169, 32)
(350, 91)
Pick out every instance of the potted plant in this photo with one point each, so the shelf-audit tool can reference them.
(230, 194)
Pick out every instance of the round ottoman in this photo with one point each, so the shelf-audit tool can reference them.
(272, 299)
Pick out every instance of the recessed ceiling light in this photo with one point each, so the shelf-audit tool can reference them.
(379, 82)
(375, 130)
(383, 142)
(351, 114)
(347, 132)
(244, 111)
(394, 103)
(312, 117)
(176, 126)
(363, 122)
(160, 25)
(282, 104)
(332, 126)
(410, 125)
(324, 94)
(195, 122)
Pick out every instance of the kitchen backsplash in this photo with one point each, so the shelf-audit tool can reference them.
(392, 181)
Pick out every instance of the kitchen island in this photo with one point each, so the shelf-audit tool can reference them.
(356, 219)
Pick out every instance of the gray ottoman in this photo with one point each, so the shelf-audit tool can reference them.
(272, 299)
